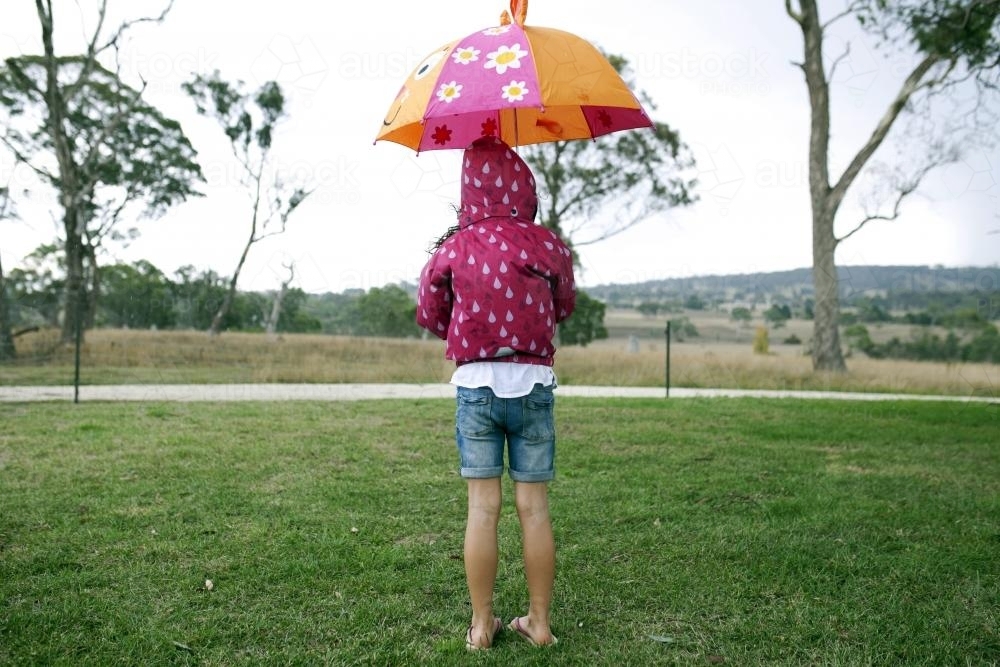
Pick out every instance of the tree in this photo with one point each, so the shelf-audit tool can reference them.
(279, 297)
(741, 314)
(137, 296)
(7, 349)
(293, 317)
(586, 324)
(91, 136)
(36, 286)
(386, 311)
(249, 121)
(955, 42)
(694, 302)
(627, 176)
(778, 315)
(198, 296)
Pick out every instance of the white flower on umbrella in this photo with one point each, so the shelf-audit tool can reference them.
(464, 55)
(449, 91)
(497, 30)
(504, 57)
(514, 91)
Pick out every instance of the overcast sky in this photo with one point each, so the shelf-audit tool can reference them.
(719, 71)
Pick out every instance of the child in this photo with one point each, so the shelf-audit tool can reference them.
(494, 290)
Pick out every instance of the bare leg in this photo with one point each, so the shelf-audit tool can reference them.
(481, 556)
(539, 549)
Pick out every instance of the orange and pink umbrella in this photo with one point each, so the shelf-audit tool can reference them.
(523, 84)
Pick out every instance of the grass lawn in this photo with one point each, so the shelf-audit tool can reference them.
(696, 531)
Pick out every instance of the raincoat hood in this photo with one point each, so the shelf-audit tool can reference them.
(496, 182)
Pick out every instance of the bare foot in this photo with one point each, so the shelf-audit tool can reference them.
(522, 626)
(485, 638)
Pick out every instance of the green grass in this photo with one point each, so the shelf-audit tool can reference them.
(694, 531)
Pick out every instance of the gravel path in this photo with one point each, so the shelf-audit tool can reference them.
(358, 392)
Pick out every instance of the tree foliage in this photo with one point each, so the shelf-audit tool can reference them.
(586, 324)
(35, 289)
(387, 311)
(249, 121)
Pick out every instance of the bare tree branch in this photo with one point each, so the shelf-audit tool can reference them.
(904, 191)
(796, 16)
(837, 61)
(850, 9)
(21, 158)
(94, 49)
(912, 83)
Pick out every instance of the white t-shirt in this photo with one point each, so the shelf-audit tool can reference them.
(506, 379)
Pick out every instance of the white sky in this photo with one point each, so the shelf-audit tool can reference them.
(719, 71)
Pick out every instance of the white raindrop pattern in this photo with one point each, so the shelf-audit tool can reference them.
(507, 279)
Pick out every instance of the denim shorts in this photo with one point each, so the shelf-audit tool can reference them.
(484, 423)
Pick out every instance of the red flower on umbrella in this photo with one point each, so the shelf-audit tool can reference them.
(490, 127)
(605, 118)
(442, 134)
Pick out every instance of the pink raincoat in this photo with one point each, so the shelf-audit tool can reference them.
(495, 290)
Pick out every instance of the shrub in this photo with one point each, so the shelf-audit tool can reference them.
(761, 341)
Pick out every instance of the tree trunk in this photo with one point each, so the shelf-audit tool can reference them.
(69, 178)
(227, 302)
(92, 291)
(75, 302)
(7, 349)
(826, 353)
(272, 321)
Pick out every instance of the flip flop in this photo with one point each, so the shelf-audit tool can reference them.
(515, 625)
(497, 627)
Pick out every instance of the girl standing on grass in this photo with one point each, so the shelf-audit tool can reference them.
(494, 289)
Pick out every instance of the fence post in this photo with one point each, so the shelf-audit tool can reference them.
(78, 338)
(668, 360)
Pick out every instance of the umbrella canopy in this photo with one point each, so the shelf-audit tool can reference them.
(523, 84)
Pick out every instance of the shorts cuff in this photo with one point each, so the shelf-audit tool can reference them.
(544, 476)
(481, 473)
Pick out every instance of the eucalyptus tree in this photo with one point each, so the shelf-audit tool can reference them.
(249, 120)
(953, 44)
(94, 139)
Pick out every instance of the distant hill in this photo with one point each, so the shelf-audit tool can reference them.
(796, 285)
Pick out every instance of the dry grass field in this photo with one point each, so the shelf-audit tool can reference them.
(634, 355)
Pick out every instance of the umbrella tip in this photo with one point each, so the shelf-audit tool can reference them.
(519, 11)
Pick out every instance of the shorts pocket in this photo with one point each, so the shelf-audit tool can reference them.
(539, 423)
(472, 415)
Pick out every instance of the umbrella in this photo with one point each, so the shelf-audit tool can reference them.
(523, 84)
